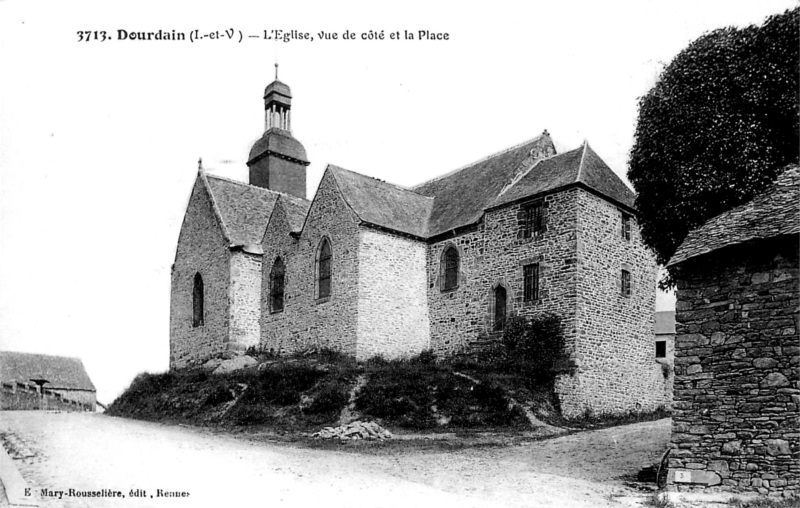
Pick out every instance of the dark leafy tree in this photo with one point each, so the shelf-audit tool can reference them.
(716, 128)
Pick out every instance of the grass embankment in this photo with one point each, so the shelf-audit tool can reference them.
(507, 385)
(305, 392)
(309, 391)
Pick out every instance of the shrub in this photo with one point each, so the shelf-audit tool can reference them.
(331, 398)
(282, 385)
(219, 394)
(533, 347)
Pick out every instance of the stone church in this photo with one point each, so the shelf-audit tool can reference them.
(371, 268)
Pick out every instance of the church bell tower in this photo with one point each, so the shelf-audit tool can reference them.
(277, 160)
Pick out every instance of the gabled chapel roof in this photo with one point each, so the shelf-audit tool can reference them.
(579, 166)
(460, 198)
(773, 213)
(59, 371)
(244, 210)
(383, 204)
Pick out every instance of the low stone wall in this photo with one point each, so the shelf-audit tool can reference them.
(19, 396)
(737, 389)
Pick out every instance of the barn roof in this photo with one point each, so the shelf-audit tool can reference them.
(773, 213)
(61, 372)
(244, 209)
(383, 204)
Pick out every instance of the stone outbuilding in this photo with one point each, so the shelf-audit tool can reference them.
(33, 381)
(736, 408)
(371, 268)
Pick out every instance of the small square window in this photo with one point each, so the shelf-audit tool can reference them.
(661, 349)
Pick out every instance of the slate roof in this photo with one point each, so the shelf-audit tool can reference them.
(579, 166)
(280, 142)
(61, 372)
(383, 204)
(296, 210)
(462, 195)
(665, 322)
(243, 209)
(773, 213)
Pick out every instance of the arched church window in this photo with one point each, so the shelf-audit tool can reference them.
(450, 262)
(197, 300)
(324, 269)
(276, 286)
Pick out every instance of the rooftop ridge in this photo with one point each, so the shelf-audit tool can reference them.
(40, 354)
(482, 159)
(396, 186)
(215, 206)
(583, 159)
(256, 187)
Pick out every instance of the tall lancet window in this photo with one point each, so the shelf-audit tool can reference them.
(324, 269)
(276, 285)
(449, 269)
(197, 301)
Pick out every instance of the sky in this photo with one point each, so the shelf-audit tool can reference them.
(100, 140)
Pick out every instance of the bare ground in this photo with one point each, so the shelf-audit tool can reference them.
(94, 452)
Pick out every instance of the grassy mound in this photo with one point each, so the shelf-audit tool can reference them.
(305, 392)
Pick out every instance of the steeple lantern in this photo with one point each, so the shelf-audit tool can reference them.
(278, 161)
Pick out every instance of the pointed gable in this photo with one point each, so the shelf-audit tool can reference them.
(595, 174)
(244, 209)
(579, 166)
(462, 196)
(383, 204)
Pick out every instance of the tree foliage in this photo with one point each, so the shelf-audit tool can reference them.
(715, 129)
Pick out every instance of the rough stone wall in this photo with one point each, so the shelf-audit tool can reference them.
(201, 248)
(307, 321)
(495, 254)
(392, 297)
(737, 387)
(614, 349)
(245, 300)
(21, 397)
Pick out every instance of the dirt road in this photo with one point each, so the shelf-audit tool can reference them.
(92, 453)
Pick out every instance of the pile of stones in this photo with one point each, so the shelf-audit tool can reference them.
(355, 430)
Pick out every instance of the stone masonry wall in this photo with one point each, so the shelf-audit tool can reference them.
(495, 254)
(737, 386)
(245, 300)
(201, 248)
(392, 307)
(19, 396)
(614, 348)
(307, 321)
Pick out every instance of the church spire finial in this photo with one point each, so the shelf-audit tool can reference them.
(276, 71)
(200, 163)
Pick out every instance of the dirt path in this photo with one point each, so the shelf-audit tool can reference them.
(95, 452)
